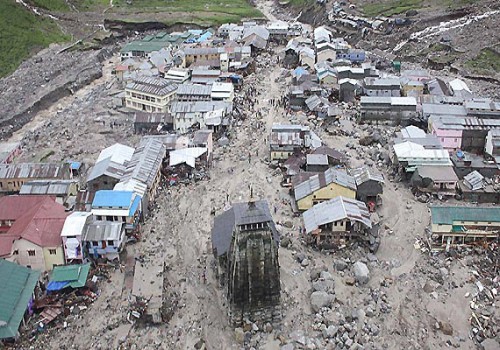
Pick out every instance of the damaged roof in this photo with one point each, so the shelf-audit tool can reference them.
(338, 208)
(34, 171)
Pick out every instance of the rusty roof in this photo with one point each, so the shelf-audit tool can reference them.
(34, 171)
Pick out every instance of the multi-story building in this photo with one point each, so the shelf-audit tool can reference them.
(150, 94)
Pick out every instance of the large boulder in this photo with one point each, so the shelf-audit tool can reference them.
(323, 285)
(320, 299)
(361, 272)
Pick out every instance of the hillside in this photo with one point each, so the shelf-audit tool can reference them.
(22, 34)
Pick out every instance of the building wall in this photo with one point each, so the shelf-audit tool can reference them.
(193, 58)
(21, 247)
(411, 90)
(103, 182)
(326, 55)
(307, 61)
(436, 228)
(43, 260)
(280, 155)
(328, 80)
(323, 194)
(51, 260)
(141, 101)
(449, 139)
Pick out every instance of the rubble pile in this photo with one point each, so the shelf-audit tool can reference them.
(56, 74)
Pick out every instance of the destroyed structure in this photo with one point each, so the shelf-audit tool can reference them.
(245, 244)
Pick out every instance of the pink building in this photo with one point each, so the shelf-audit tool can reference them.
(447, 130)
(71, 235)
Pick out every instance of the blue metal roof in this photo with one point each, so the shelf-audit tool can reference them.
(113, 199)
(135, 205)
(448, 214)
(75, 165)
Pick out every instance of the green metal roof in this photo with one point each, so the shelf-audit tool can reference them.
(448, 214)
(16, 289)
(76, 275)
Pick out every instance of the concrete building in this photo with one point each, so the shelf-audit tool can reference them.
(439, 180)
(311, 188)
(492, 145)
(187, 114)
(104, 239)
(385, 87)
(397, 110)
(452, 225)
(118, 206)
(245, 244)
(150, 94)
(222, 92)
(286, 139)
(71, 235)
(194, 92)
(369, 185)
(32, 226)
(408, 156)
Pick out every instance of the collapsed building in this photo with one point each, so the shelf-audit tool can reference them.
(245, 245)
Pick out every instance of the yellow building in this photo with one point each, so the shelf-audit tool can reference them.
(412, 88)
(29, 254)
(453, 225)
(313, 188)
(150, 94)
(34, 236)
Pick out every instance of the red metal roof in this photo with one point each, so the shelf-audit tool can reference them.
(12, 207)
(41, 224)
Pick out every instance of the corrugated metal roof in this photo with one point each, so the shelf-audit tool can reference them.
(16, 290)
(103, 231)
(317, 159)
(446, 215)
(40, 187)
(474, 180)
(146, 161)
(118, 153)
(113, 199)
(364, 174)
(336, 209)
(75, 275)
(199, 106)
(321, 180)
(108, 168)
(153, 86)
(194, 90)
(34, 171)
(75, 223)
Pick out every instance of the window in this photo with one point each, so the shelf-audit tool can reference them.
(95, 243)
(16, 252)
(52, 251)
(111, 242)
(31, 253)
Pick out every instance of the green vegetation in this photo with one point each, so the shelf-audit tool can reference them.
(23, 33)
(391, 7)
(488, 60)
(51, 5)
(89, 5)
(197, 8)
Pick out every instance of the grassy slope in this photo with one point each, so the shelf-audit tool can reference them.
(22, 33)
(487, 60)
(193, 11)
(51, 5)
